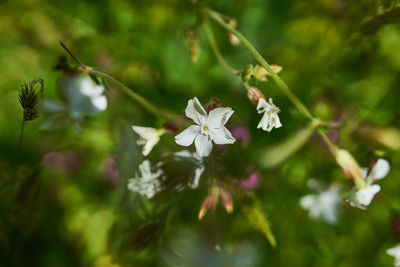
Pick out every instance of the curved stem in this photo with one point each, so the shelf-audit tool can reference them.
(215, 49)
(138, 98)
(281, 84)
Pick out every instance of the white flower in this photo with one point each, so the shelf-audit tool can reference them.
(324, 205)
(361, 198)
(83, 95)
(208, 128)
(148, 137)
(147, 183)
(395, 252)
(270, 118)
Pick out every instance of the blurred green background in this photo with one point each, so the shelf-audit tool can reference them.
(59, 204)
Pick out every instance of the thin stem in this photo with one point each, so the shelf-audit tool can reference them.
(332, 147)
(21, 134)
(215, 49)
(138, 98)
(72, 55)
(281, 84)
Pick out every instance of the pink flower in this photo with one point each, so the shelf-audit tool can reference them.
(242, 133)
(251, 182)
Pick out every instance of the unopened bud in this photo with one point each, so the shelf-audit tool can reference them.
(227, 201)
(233, 39)
(389, 137)
(261, 73)
(247, 72)
(349, 165)
(254, 94)
(212, 104)
(210, 202)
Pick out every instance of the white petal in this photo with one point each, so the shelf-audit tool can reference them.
(148, 146)
(365, 195)
(99, 102)
(307, 201)
(197, 174)
(145, 132)
(145, 170)
(263, 124)
(395, 252)
(262, 105)
(203, 145)
(218, 117)
(275, 121)
(89, 87)
(187, 137)
(380, 169)
(195, 111)
(222, 136)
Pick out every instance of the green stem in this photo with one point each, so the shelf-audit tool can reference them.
(332, 147)
(21, 134)
(215, 49)
(138, 98)
(281, 84)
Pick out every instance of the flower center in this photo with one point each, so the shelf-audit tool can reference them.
(205, 128)
(275, 110)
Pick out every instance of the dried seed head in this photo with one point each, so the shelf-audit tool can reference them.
(254, 94)
(29, 99)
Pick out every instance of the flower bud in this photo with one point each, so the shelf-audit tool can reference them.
(210, 202)
(246, 73)
(212, 104)
(227, 201)
(254, 94)
(260, 73)
(349, 165)
(233, 39)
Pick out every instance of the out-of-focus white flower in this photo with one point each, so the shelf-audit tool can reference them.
(147, 183)
(270, 118)
(208, 128)
(148, 137)
(362, 198)
(324, 205)
(395, 252)
(84, 96)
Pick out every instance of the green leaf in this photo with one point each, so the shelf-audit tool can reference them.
(274, 155)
